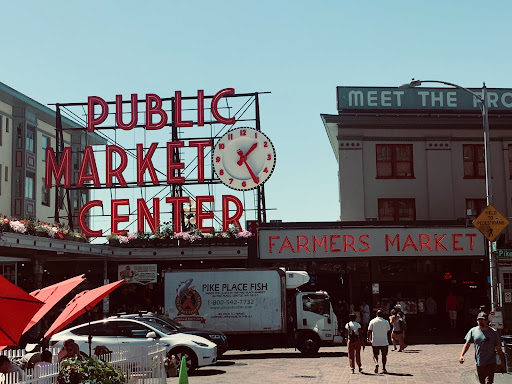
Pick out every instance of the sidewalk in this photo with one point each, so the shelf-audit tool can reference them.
(419, 364)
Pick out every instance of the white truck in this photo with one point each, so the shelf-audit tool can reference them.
(255, 308)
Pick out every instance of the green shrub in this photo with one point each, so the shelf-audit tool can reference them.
(89, 371)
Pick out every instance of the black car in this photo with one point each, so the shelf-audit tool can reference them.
(216, 337)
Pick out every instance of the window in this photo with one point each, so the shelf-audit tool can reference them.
(29, 187)
(46, 143)
(394, 161)
(316, 303)
(507, 280)
(7, 125)
(510, 160)
(132, 329)
(45, 200)
(6, 173)
(61, 192)
(29, 142)
(397, 209)
(99, 329)
(474, 161)
(474, 207)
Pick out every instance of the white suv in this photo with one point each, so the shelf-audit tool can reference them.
(127, 334)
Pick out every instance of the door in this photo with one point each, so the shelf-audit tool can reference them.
(132, 335)
(314, 312)
(505, 282)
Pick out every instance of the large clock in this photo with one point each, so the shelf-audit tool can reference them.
(243, 158)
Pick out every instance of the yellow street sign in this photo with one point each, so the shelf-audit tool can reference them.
(490, 222)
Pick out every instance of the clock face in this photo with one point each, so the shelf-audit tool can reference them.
(243, 158)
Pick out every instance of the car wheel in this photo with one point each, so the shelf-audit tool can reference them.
(190, 357)
(309, 344)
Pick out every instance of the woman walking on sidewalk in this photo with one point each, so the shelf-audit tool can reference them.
(354, 342)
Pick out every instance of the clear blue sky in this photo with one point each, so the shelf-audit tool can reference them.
(64, 51)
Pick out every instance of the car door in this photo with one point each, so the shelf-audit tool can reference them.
(132, 336)
(103, 334)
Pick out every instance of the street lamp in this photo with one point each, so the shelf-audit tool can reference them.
(488, 180)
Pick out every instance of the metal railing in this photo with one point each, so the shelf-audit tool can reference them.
(143, 365)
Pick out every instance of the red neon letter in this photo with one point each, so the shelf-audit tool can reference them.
(235, 219)
(119, 112)
(471, 235)
(118, 172)
(332, 243)
(177, 112)
(200, 144)
(81, 218)
(409, 242)
(456, 242)
(143, 213)
(438, 242)
(144, 163)
(200, 108)
(349, 244)
(271, 243)
(303, 246)
(91, 121)
(176, 202)
(395, 240)
(427, 243)
(156, 109)
(88, 161)
(323, 241)
(365, 243)
(116, 218)
(287, 244)
(64, 168)
(215, 110)
(171, 165)
(200, 215)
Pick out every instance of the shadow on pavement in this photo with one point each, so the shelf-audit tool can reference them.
(276, 355)
(225, 363)
(398, 374)
(207, 372)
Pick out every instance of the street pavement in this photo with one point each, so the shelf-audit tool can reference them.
(425, 363)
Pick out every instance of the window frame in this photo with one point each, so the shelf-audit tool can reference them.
(482, 202)
(396, 208)
(47, 142)
(475, 161)
(45, 196)
(394, 161)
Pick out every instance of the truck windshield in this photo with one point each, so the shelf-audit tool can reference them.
(316, 303)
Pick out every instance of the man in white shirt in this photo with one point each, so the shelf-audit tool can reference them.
(10, 371)
(378, 330)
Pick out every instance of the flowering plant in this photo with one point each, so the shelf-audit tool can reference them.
(35, 227)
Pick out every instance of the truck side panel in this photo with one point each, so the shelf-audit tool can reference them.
(231, 301)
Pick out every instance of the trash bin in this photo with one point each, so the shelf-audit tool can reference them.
(507, 344)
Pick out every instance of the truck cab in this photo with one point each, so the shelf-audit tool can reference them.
(317, 324)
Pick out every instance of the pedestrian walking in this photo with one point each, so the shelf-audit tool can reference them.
(487, 343)
(431, 305)
(378, 330)
(397, 334)
(354, 342)
(451, 308)
(365, 315)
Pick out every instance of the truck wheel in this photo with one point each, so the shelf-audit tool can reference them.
(309, 344)
(190, 357)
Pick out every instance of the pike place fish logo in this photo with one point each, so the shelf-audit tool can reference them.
(188, 300)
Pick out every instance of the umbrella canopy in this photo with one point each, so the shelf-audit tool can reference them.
(52, 295)
(17, 308)
(81, 303)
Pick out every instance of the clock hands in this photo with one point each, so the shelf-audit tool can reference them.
(243, 160)
(244, 157)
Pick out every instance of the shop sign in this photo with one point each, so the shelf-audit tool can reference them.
(490, 222)
(138, 273)
(508, 297)
(504, 253)
(420, 98)
(320, 243)
(496, 319)
(242, 168)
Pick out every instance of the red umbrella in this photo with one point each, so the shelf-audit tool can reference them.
(17, 308)
(52, 295)
(81, 303)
